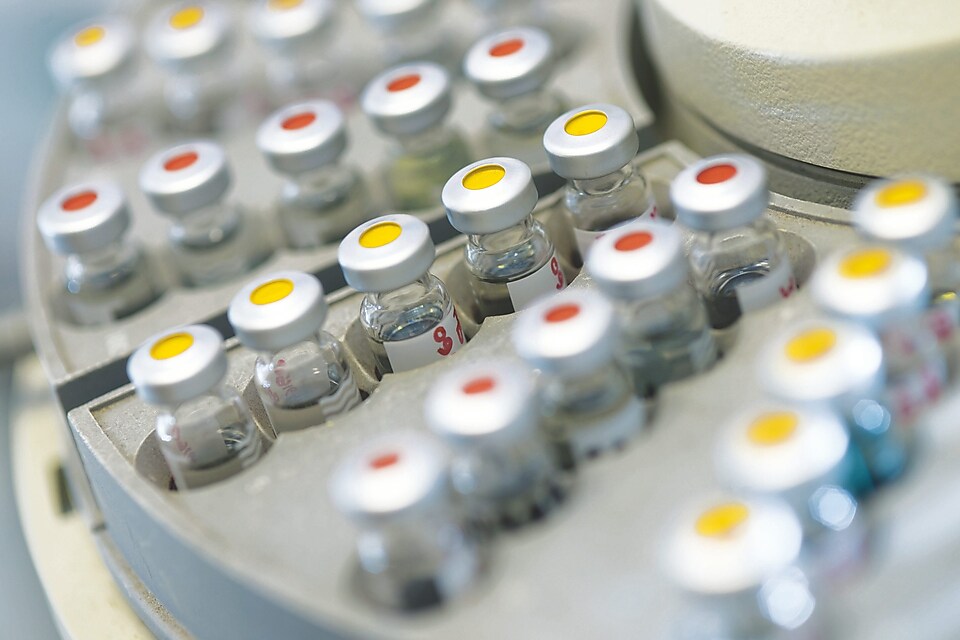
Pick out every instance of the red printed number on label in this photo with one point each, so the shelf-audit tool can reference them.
(446, 342)
(557, 271)
(787, 291)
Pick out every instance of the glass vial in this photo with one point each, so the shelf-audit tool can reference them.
(511, 260)
(106, 275)
(594, 147)
(410, 31)
(414, 548)
(585, 397)
(738, 257)
(204, 429)
(410, 104)
(511, 68)
(407, 315)
(664, 334)
(301, 373)
(211, 240)
(321, 199)
(502, 465)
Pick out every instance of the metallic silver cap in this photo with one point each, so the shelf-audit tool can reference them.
(278, 310)
(177, 365)
(83, 217)
(303, 137)
(489, 196)
(482, 403)
(393, 14)
(288, 25)
(726, 545)
(92, 51)
(510, 62)
(386, 253)
(395, 475)
(569, 334)
(720, 192)
(186, 178)
(916, 212)
(871, 284)
(591, 141)
(188, 34)
(822, 360)
(407, 99)
(638, 260)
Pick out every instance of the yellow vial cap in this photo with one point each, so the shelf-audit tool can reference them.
(773, 428)
(865, 263)
(901, 193)
(89, 36)
(171, 346)
(186, 17)
(585, 123)
(722, 520)
(483, 177)
(273, 291)
(380, 235)
(284, 5)
(810, 345)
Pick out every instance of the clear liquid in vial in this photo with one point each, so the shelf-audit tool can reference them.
(415, 180)
(669, 357)
(323, 216)
(111, 296)
(411, 324)
(723, 307)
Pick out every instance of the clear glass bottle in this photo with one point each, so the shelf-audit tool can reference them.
(738, 257)
(664, 333)
(410, 104)
(106, 275)
(585, 397)
(511, 260)
(212, 240)
(321, 199)
(411, 31)
(416, 551)
(594, 147)
(301, 373)
(204, 430)
(511, 68)
(406, 314)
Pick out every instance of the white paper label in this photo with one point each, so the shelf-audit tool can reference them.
(943, 318)
(603, 435)
(775, 285)
(547, 279)
(436, 344)
(585, 239)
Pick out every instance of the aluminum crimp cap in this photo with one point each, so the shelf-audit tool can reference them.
(485, 402)
(720, 192)
(83, 217)
(393, 14)
(386, 253)
(510, 63)
(774, 448)
(489, 196)
(288, 25)
(278, 310)
(872, 284)
(185, 178)
(822, 360)
(303, 137)
(92, 51)
(186, 34)
(915, 212)
(175, 366)
(569, 334)
(397, 474)
(638, 260)
(726, 544)
(408, 99)
(591, 141)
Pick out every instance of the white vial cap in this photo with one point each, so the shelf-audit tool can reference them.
(727, 545)
(397, 474)
(569, 334)
(393, 14)
(92, 51)
(186, 178)
(720, 192)
(83, 217)
(278, 310)
(917, 212)
(188, 33)
(303, 137)
(487, 402)
(489, 196)
(286, 25)
(407, 99)
(871, 284)
(591, 141)
(386, 253)
(822, 360)
(510, 63)
(773, 448)
(638, 260)
(175, 366)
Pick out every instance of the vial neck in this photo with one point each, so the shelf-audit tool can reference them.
(426, 141)
(205, 227)
(530, 111)
(403, 296)
(606, 184)
(329, 180)
(505, 239)
(117, 258)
